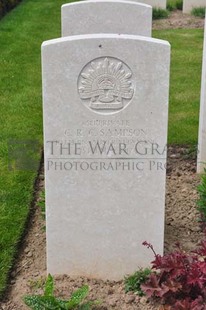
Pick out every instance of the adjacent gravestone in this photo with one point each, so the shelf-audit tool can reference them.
(155, 3)
(201, 157)
(188, 5)
(104, 16)
(105, 128)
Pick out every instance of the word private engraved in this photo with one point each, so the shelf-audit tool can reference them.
(105, 85)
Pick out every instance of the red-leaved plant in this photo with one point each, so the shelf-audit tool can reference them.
(178, 279)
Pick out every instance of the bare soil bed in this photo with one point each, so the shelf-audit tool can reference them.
(181, 225)
(177, 19)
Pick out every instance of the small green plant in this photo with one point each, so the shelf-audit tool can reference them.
(133, 282)
(158, 13)
(48, 301)
(202, 200)
(179, 5)
(173, 5)
(199, 11)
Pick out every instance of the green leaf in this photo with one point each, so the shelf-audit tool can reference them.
(63, 304)
(77, 297)
(42, 302)
(33, 302)
(133, 282)
(86, 306)
(49, 302)
(49, 286)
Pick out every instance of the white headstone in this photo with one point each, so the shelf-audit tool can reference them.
(105, 128)
(188, 5)
(155, 3)
(201, 155)
(106, 16)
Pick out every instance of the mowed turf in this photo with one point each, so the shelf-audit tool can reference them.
(185, 83)
(21, 34)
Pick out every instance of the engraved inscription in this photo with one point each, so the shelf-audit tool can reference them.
(105, 85)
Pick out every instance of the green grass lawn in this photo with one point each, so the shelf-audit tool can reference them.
(185, 81)
(21, 34)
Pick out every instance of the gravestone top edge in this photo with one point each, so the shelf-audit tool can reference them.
(104, 36)
(88, 2)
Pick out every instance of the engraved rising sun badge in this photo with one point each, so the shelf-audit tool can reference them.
(105, 85)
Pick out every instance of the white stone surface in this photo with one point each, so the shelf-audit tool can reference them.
(154, 3)
(106, 16)
(188, 5)
(102, 203)
(201, 157)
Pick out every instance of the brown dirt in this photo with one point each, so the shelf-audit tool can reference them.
(181, 225)
(177, 19)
